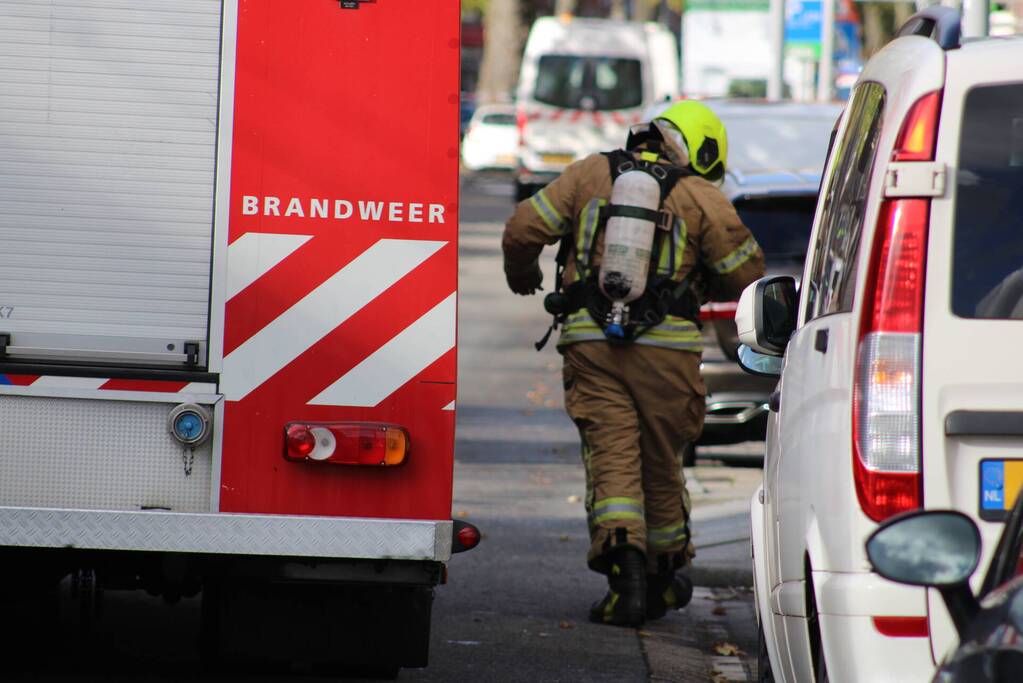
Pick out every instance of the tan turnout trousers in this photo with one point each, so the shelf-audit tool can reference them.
(636, 408)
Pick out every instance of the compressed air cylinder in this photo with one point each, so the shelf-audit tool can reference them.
(627, 244)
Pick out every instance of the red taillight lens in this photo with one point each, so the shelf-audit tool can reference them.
(300, 441)
(894, 300)
(464, 536)
(346, 443)
(718, 310)
(902, 627)
(520, 122)
(469, 537)
(886, 391)
(919, 131)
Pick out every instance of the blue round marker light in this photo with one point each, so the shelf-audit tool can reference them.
(188, 426)
(189, 423)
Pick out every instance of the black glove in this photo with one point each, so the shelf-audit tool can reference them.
(524, 280)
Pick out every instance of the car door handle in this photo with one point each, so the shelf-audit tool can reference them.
(820, 342)
(774, 401)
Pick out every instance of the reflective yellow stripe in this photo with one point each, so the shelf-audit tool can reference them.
(548, 213)
(672, 333)
(587, 231)
(679, 234)
(666, 537)
(648, 156)
(616, 508)
(579, 326)
(736, 258)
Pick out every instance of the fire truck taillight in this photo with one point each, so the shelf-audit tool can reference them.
(346, 443)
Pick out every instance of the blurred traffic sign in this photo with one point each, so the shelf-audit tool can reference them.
(803, 27)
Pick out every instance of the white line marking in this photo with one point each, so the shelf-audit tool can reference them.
(198, 388)
(320, 312)
(254, 254)
(59, 382)
(396, 362)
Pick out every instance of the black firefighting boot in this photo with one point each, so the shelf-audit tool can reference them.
(625, 602)
(667, 591)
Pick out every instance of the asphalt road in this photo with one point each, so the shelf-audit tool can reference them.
(514, 609)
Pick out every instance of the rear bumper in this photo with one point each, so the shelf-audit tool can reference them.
(227, 534)
(847, 603)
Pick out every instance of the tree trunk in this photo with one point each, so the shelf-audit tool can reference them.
(873, 28)
(502, 50)
(564, 7)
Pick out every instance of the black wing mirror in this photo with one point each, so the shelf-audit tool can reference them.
(937, 549)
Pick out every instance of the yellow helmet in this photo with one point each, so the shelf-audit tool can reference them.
(704, 136)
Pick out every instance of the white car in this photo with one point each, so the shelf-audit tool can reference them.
(901, 380)
(491, 141)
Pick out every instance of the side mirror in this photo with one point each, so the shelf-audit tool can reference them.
(758, 363)
(765, 317)
(937, 549)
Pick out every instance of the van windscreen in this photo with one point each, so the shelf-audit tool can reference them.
(987, 262)
(591, 83)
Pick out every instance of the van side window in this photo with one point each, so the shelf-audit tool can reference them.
(987, 259)
(832, 280)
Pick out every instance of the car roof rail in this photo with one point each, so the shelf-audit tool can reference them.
(941, 24)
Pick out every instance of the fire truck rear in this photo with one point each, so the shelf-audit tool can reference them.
(227, 315)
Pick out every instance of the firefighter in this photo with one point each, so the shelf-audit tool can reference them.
(632, 384)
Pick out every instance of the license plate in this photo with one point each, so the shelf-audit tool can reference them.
(1000, 482)
(556, 158)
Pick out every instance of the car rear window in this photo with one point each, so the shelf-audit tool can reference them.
(781, 225)
(987, 262)
(499, 119)
(592, 83)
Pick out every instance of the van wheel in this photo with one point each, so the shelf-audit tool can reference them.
(764, 673)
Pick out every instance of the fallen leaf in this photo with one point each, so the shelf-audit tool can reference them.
(719, 610)
(573, 499)
(728, 650)
(564, 624)
(644, 634)
(564, 537)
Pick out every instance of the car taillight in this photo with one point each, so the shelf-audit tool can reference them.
(886, 390)
(520, 123)
(346, 443)
(902, 627)
(718, 310)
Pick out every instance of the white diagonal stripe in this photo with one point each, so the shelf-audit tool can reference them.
(320, 312)
(396, 362)
(450, 406)
(60, 382)
(256, 253)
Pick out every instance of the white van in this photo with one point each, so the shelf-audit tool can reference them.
(901, 383)
(583, 82)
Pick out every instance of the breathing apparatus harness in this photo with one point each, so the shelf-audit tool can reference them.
(662, 296)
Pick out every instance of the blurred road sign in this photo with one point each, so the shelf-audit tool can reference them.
(803, 27)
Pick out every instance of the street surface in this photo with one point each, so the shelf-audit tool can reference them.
(514, 609)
